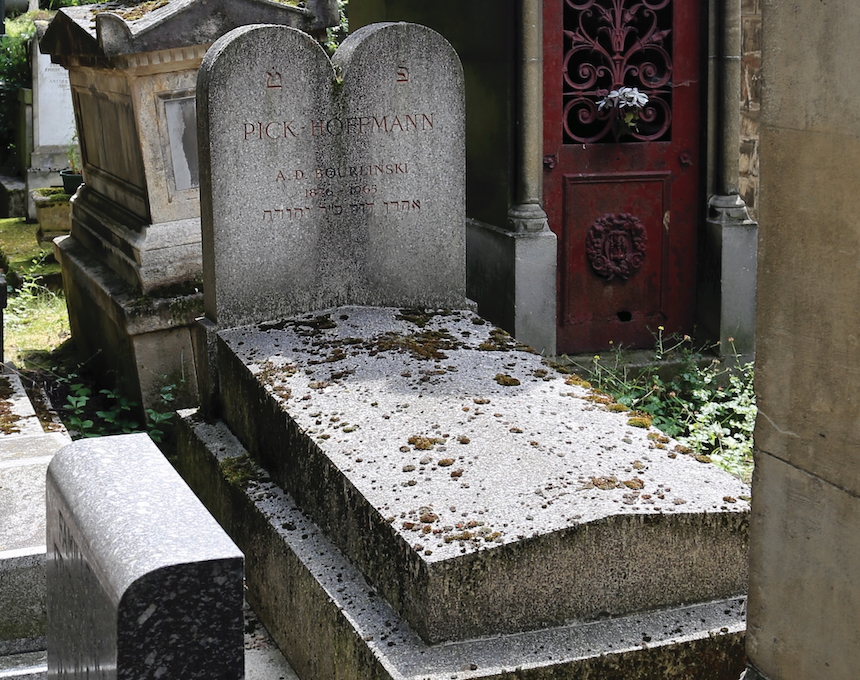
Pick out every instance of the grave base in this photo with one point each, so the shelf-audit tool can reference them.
(330, 624)
(54, 218)
(38, 177)
(13, 197)
(139, 343)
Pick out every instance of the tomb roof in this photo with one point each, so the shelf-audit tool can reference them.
(121, 27)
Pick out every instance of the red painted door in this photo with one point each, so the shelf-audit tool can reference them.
(621, 182)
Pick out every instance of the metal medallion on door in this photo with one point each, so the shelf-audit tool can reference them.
(621, 189)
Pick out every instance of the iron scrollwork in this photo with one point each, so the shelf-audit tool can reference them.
(611, 44)
(615, 245)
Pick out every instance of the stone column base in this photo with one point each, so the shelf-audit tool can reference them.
(727, 286)
(511, 275)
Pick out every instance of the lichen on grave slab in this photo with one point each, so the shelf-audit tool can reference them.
(380, 419)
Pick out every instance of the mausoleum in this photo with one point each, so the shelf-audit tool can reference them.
(132, 265)
(582, 233)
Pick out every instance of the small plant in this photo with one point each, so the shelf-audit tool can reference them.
(118, 417)
(76, 403)
(708, 407)
(31, 305)
(73, 155)
(337, 34)
(108, 411)
(161, 419)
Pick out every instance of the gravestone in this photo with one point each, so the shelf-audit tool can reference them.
(401, 473)
(53, 122)
(141, 580)
(331, 182)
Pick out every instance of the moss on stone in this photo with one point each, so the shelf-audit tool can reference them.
(239, 471)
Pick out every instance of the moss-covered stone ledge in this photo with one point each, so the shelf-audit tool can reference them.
(137, 343)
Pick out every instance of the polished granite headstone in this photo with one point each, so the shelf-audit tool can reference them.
(331, 182)
(141, 580)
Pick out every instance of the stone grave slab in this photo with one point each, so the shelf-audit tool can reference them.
(464, 477)
(300, 581)
(141, 580)
(331, 182)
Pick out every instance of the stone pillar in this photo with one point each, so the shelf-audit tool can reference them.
(532, 243)
(804, 595)
(526, 214)
(727, 289)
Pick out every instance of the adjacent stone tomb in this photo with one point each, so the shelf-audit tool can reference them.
(331, 182)
(141, 580)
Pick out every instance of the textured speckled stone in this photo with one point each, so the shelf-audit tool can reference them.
(331, 182)
(141, 580)
(330, 624)
(478, 489)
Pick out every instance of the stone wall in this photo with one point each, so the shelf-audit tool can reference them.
(803, 618)
(750, 103)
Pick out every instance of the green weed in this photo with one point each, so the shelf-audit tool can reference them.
(89, 415)
(707, 406)
(35, 318)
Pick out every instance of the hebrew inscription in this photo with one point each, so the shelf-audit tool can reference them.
(326, 181)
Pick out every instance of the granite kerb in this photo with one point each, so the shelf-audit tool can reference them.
(139, 574)
(330, 622)
(464, 477)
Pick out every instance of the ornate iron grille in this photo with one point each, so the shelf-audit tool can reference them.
(609, 44)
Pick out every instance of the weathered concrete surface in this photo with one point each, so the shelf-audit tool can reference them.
(804, 577)
(804, 616)
(329, 624)
(393, 432)
(25, 451)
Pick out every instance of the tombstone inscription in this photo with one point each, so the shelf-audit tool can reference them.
(353, 168)
(141, 580)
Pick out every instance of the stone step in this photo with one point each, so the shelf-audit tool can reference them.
(17, 415)
(25, 451)
(479, 491)
(27, 666)
(23, 464)
(331, 624)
